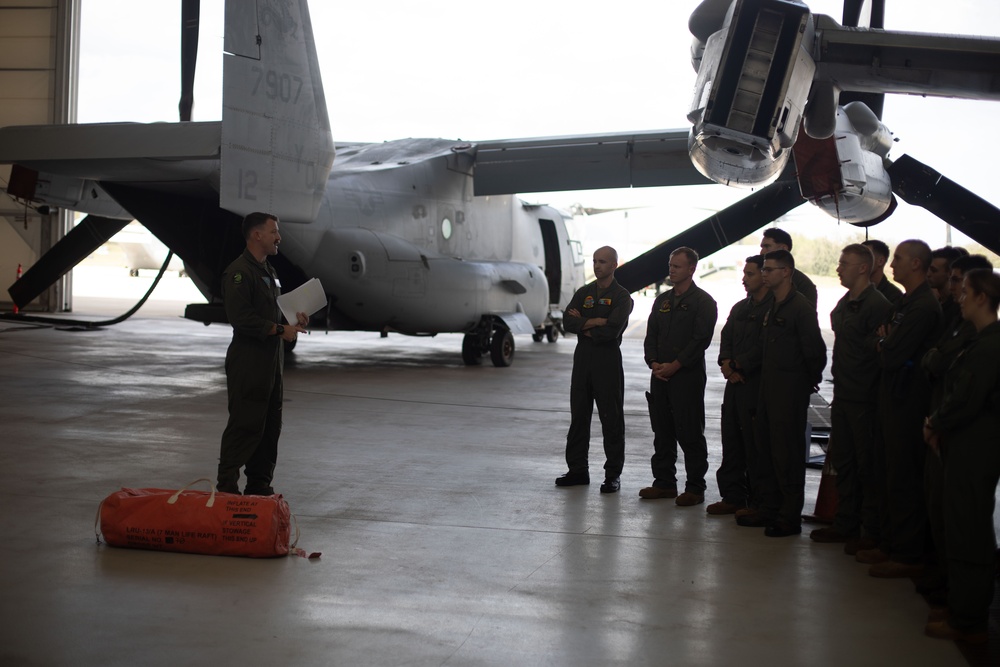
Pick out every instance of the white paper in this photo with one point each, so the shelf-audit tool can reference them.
(307, 298)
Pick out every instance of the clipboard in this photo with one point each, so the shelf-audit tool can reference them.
(308, 298)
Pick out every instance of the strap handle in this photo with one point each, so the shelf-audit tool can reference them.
(211, 499)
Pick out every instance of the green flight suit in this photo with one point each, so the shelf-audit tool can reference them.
(904, 398)
(740, 342)
(968, 420)
(806, 287)
(935, 364)
(889, 290)
(680, 328)
(853, 412)
(794, 359)
(598, 376)
(254, 364)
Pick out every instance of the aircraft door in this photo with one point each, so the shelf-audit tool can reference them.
(553, 260)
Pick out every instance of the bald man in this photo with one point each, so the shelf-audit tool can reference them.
(597, 314)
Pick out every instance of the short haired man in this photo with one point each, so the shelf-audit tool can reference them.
(254, 361)
(597, 314)
(904, 396)
(937, 277)
(960, 267)
(794, 356)
(679, 330)
(878, 277)
(779, 239)
(855, 320)
(740, 360)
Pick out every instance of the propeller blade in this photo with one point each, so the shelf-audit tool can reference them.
(919, 185)
(713, 234)
(71, 249)
(876, 19)
(190, 16)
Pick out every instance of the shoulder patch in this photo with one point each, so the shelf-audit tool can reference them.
(237, 278)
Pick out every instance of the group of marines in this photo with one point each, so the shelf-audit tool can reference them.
(901, 406)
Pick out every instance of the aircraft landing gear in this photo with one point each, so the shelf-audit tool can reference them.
(490, 337)
(549, 333)
(502, 347)
(472, 353)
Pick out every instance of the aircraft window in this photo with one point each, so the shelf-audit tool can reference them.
(577, 248)
(446, 228)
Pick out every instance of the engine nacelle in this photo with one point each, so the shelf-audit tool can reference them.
(752, 87)
(845, 174)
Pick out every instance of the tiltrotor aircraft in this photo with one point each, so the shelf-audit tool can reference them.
(422, 236)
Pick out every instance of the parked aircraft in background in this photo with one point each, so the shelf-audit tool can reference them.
(143, 251)
(421, 236)
(393, 232)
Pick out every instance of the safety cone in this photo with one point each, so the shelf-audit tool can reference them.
(826, 499)
(16, 310)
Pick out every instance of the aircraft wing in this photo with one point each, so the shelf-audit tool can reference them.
(584, 162)
(111, 151)
(889, 61)
(64, 165)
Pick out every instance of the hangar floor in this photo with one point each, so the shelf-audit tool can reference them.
(428, 488)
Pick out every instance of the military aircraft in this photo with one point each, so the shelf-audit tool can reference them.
(143, 251)
(393, 231)
(422, 236)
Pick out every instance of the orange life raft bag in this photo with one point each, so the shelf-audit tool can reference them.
(201, 522)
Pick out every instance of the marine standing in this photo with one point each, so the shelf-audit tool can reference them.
(904, 397)
(963, 429)
(794, 356)
(740, 361)
(679, 330)
(254, 361)
(778, 239)
(878, 277)
(938, 274)
(935, 363)
(855, 371)
(597, 314)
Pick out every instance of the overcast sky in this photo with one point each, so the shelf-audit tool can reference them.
(484, 70)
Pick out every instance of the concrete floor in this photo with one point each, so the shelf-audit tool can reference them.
(428, 488)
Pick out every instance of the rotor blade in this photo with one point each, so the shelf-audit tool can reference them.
(852, 18)
(82, 240)
(713, 234)
(919, 185)
(190, 13)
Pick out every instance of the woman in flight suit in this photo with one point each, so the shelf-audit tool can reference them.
(963, 432)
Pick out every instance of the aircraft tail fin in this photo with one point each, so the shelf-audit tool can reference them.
(277, 148)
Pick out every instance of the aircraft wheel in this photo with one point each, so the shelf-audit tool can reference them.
(502, 348)
(537, 336)
(133, 273)
(471, 354)
(551, 334)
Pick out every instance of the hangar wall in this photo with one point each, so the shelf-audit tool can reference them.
(39, 55)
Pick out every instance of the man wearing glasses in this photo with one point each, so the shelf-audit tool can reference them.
(794, 356)
(778, 239)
